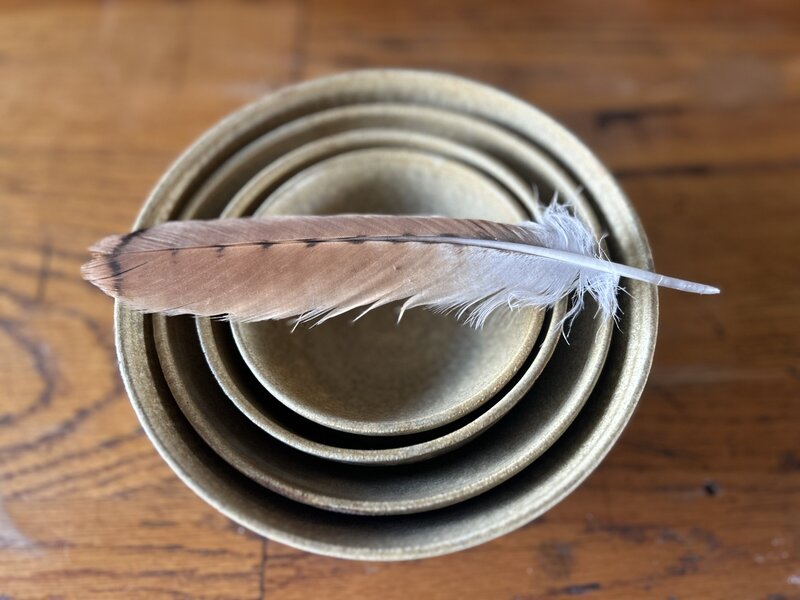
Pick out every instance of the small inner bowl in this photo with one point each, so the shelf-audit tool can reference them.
(364, 378)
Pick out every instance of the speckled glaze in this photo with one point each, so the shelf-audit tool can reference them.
(337, 511)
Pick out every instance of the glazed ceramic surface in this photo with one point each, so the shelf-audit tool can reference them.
(224, 461)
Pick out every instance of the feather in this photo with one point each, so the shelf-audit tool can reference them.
(318, 267)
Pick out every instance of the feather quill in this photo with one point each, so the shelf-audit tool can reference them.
(318, 267)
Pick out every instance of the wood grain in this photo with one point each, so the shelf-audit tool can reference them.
(694, 107)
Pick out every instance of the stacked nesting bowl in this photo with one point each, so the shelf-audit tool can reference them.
(377, 440)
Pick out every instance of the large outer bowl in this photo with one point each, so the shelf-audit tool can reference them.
(522, 498)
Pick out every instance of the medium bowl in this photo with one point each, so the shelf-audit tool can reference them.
(361, 490)
(537, 167)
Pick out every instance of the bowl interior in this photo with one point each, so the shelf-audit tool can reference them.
(512, 443)
(377, 376)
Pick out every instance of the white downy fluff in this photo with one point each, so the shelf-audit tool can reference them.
(518, 280)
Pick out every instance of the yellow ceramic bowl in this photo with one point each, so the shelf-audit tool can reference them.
(155, 374)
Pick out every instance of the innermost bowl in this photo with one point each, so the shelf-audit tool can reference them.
(375, 377)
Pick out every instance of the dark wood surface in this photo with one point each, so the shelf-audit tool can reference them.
(695, 106)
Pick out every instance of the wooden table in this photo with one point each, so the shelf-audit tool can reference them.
(695, 106)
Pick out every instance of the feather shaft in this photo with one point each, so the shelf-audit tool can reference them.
(589, 262)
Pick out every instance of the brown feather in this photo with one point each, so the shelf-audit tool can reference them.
(319, 267)
(296, 264)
